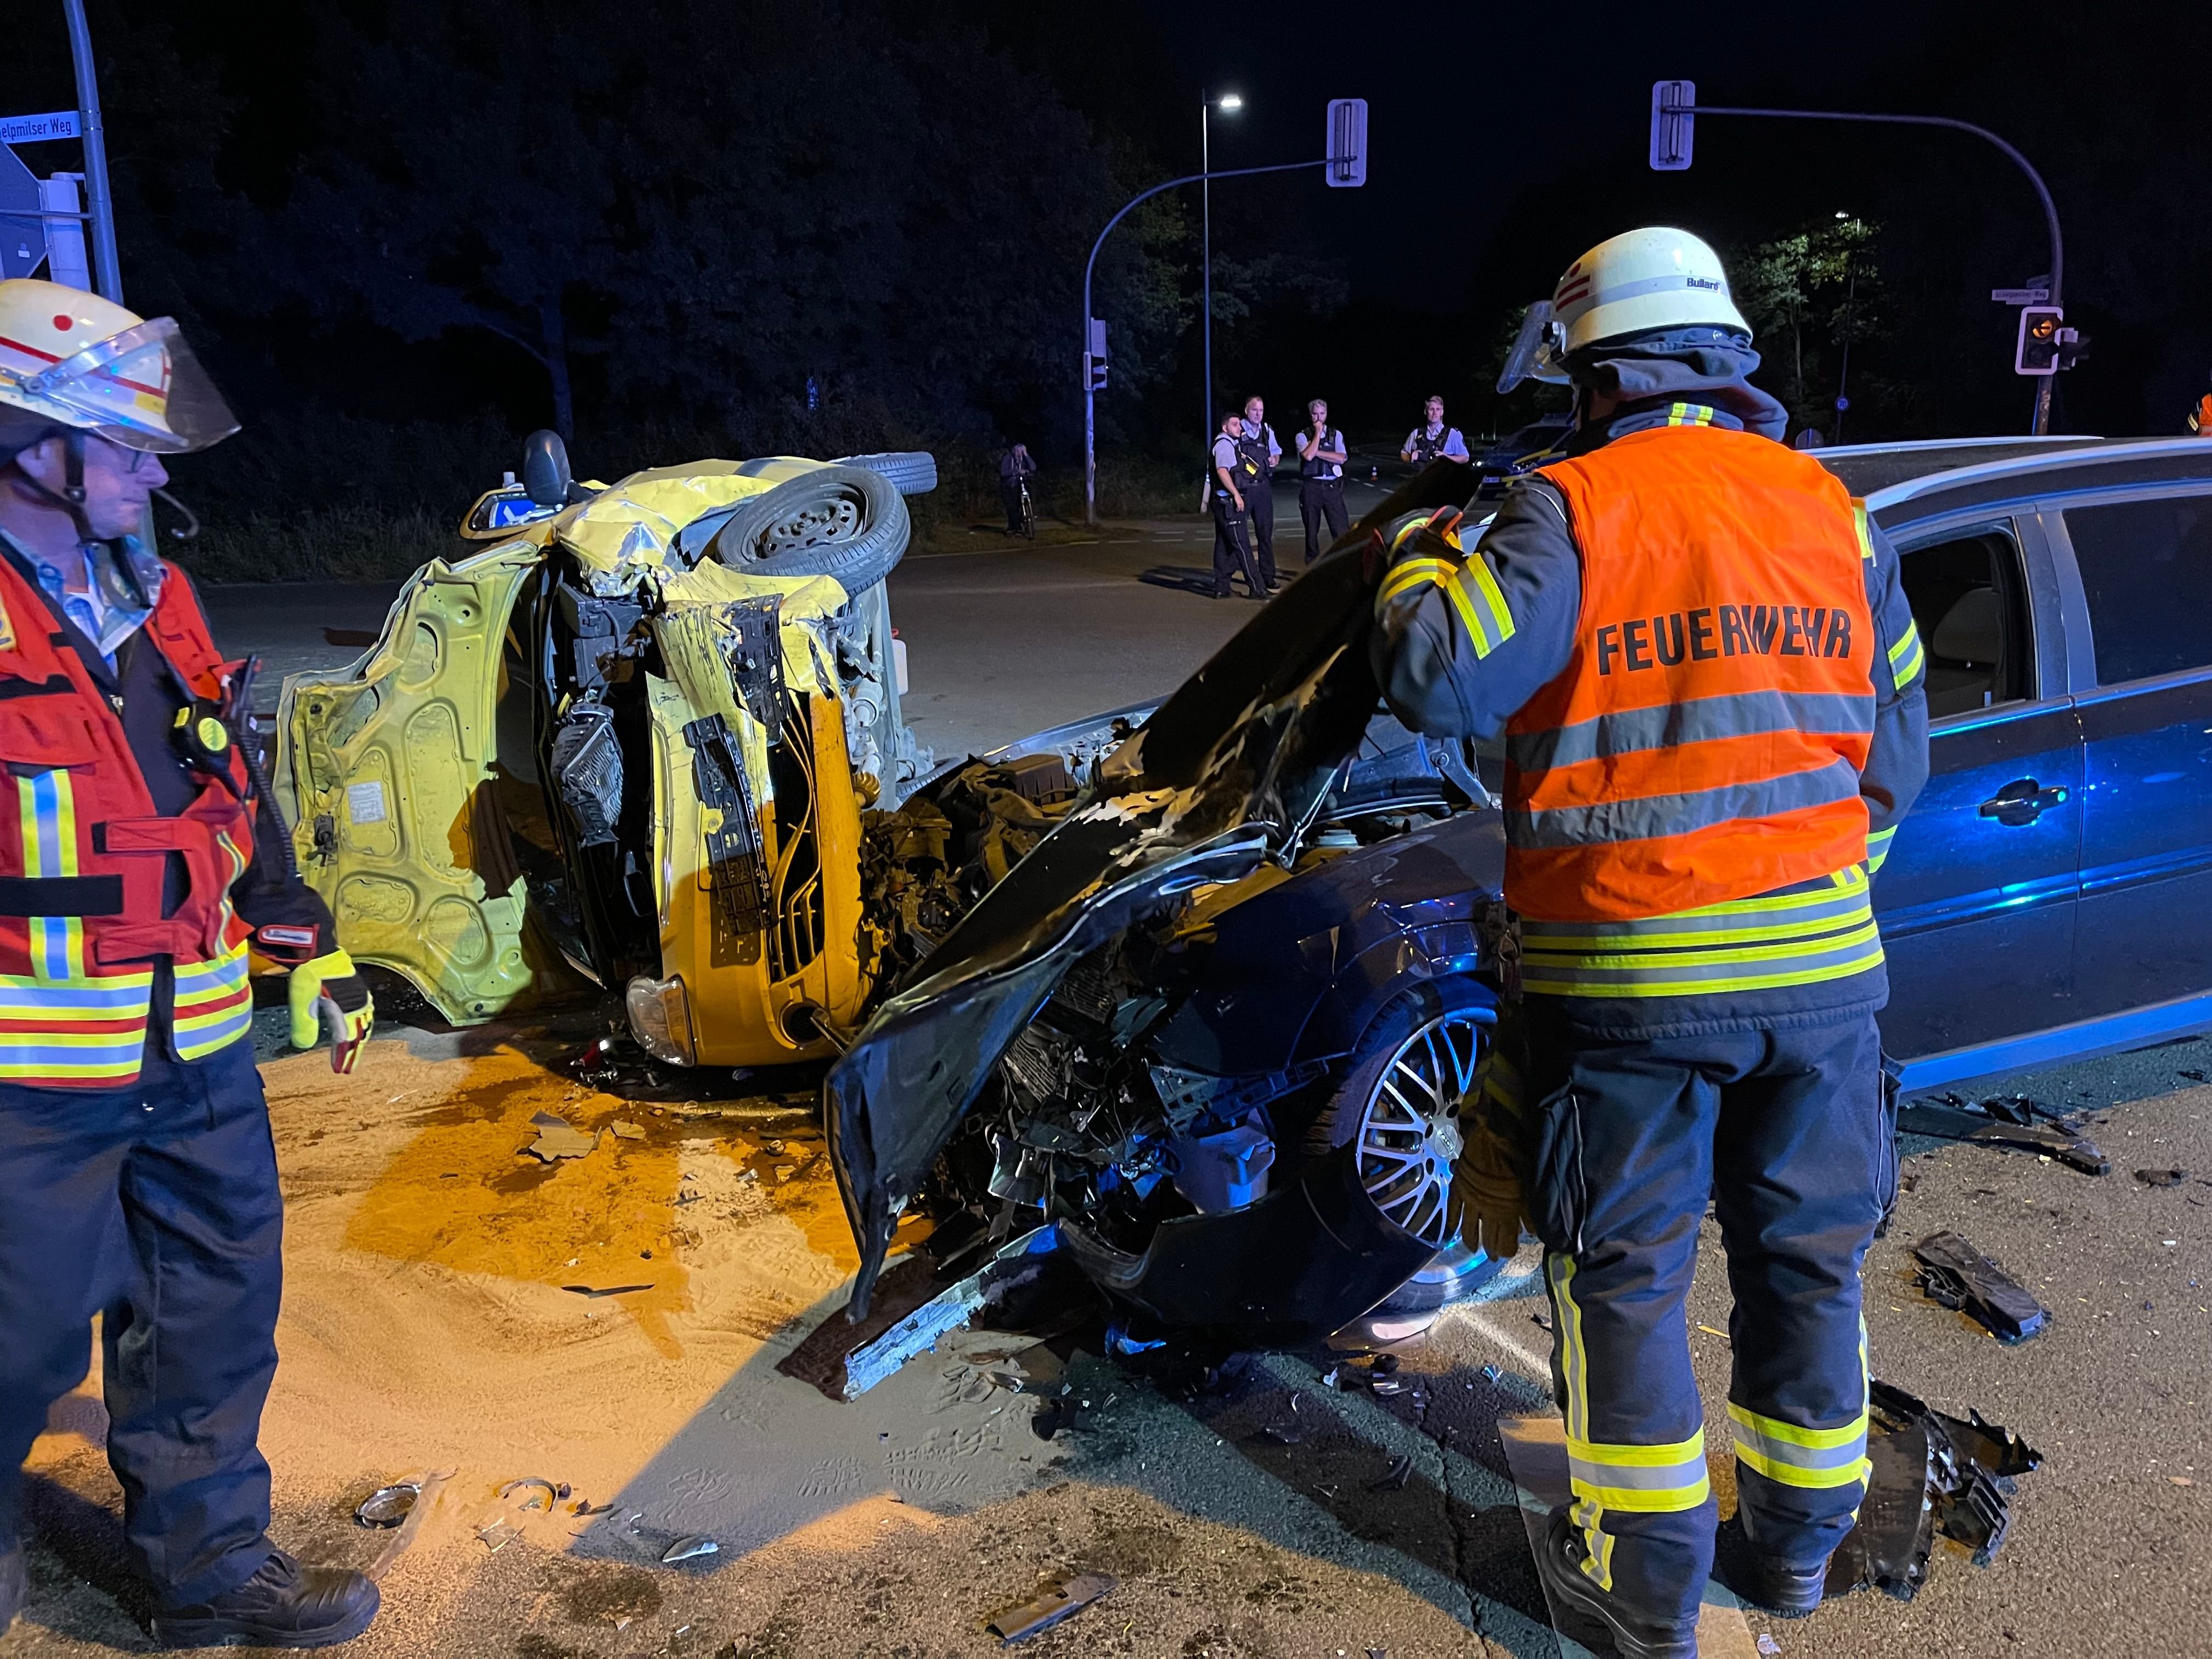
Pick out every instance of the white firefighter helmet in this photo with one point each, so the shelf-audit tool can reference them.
(1641, 281)
(80, 361)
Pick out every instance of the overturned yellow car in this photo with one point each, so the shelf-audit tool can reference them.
(625, 745)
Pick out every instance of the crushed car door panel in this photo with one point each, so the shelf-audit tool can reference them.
(391, 769)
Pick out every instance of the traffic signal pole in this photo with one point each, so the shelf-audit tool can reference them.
(1675, 129)
(1090, 389)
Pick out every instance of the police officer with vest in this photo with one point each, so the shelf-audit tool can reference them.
(1321, 479)
(1237, 479)
(1699, 653)
(1264, 454)
(1432, 440)
(140, 865)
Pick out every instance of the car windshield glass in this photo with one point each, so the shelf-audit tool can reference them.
(2147, 571)
(1966, 600)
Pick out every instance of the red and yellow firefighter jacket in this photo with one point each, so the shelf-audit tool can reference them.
(99, 939)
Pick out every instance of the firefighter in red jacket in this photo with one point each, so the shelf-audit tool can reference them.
(140, 864)
(1698, 651)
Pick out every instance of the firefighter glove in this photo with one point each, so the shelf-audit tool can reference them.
(1489, 1193)
(326, 991)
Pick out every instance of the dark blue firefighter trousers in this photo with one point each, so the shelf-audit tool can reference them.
(157, 1206)
(1788, 1133)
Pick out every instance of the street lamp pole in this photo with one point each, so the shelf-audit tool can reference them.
(1229, 101)
(1091, 265)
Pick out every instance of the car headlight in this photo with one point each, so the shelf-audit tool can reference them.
(661, 1018)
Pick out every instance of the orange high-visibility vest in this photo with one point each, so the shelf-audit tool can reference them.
(1704, 742)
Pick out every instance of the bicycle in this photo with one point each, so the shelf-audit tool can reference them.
(1028, 519)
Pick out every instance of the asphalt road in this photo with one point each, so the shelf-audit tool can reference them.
(1239, 1524)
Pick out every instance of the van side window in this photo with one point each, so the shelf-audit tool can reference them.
(1969, 606)
(2147, 568)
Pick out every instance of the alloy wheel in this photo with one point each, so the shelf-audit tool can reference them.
(1409, 1134)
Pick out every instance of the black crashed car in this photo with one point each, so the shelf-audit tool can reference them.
(1210, 1037)
(1520, 451)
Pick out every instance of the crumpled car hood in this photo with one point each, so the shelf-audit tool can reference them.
(1231, 766)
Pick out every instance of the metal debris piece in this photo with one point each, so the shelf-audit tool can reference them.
(688, 1548)
(1401, 1471)
(387, 1506)
(2162, 1177)
(2192, 1075)
(428, 1488)
(1282, 1434)
(2005, 1121)
(1957, 1275)
(627, 1131)
(603, 1290)
(1932, 1473)
(1491, 1373)
(499, 1534)
(537, 1484)
(1386, 1386)
(1055, 1598)
(1767, 1644)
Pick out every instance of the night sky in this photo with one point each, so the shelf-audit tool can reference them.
(343, 235)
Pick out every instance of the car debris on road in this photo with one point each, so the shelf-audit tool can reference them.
(1933, 1474)
(2014, 1121)
(1958, 1276)
(1056, 1598)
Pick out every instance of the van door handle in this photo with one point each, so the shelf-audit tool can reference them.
(2022, 801)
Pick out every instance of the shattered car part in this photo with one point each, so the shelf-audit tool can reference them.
(387, 1506)
(1056, 1598)
(2019, 1122)
(1959, 1276)
(1932, 1475)
(689, 1548)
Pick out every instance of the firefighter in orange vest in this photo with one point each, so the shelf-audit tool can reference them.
(140, 863)
(2200, 416)
(1697, 649)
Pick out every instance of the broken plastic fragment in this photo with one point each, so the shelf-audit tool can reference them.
(1932, 1473)
(1957, 1275)
(537, 1484)
(1055, 1598)
(2017, 1121)
(603, 1290)
(2162, 1177)
(625, 1131)
(688, 1548)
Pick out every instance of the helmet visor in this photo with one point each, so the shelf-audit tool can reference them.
(142, 388)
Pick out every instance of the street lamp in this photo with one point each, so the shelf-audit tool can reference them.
(1228, 103)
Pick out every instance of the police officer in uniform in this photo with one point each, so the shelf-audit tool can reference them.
(1265, 454)
(1236, 478)
(1432, 440)
(1698, 650)
(1321, 479)
(139, 864)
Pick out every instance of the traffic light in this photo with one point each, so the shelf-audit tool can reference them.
(2040, 341)
(1094, 356)
(1347, 154)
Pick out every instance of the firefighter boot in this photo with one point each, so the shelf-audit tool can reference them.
(1559, 1567)
(284, 1605)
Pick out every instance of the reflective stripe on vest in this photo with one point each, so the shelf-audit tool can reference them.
(1467, 581)
(1823, 931)
(1703, 743)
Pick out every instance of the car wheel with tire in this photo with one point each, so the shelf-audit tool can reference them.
(1400, 1103)
(914, 471)
(844, 522)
